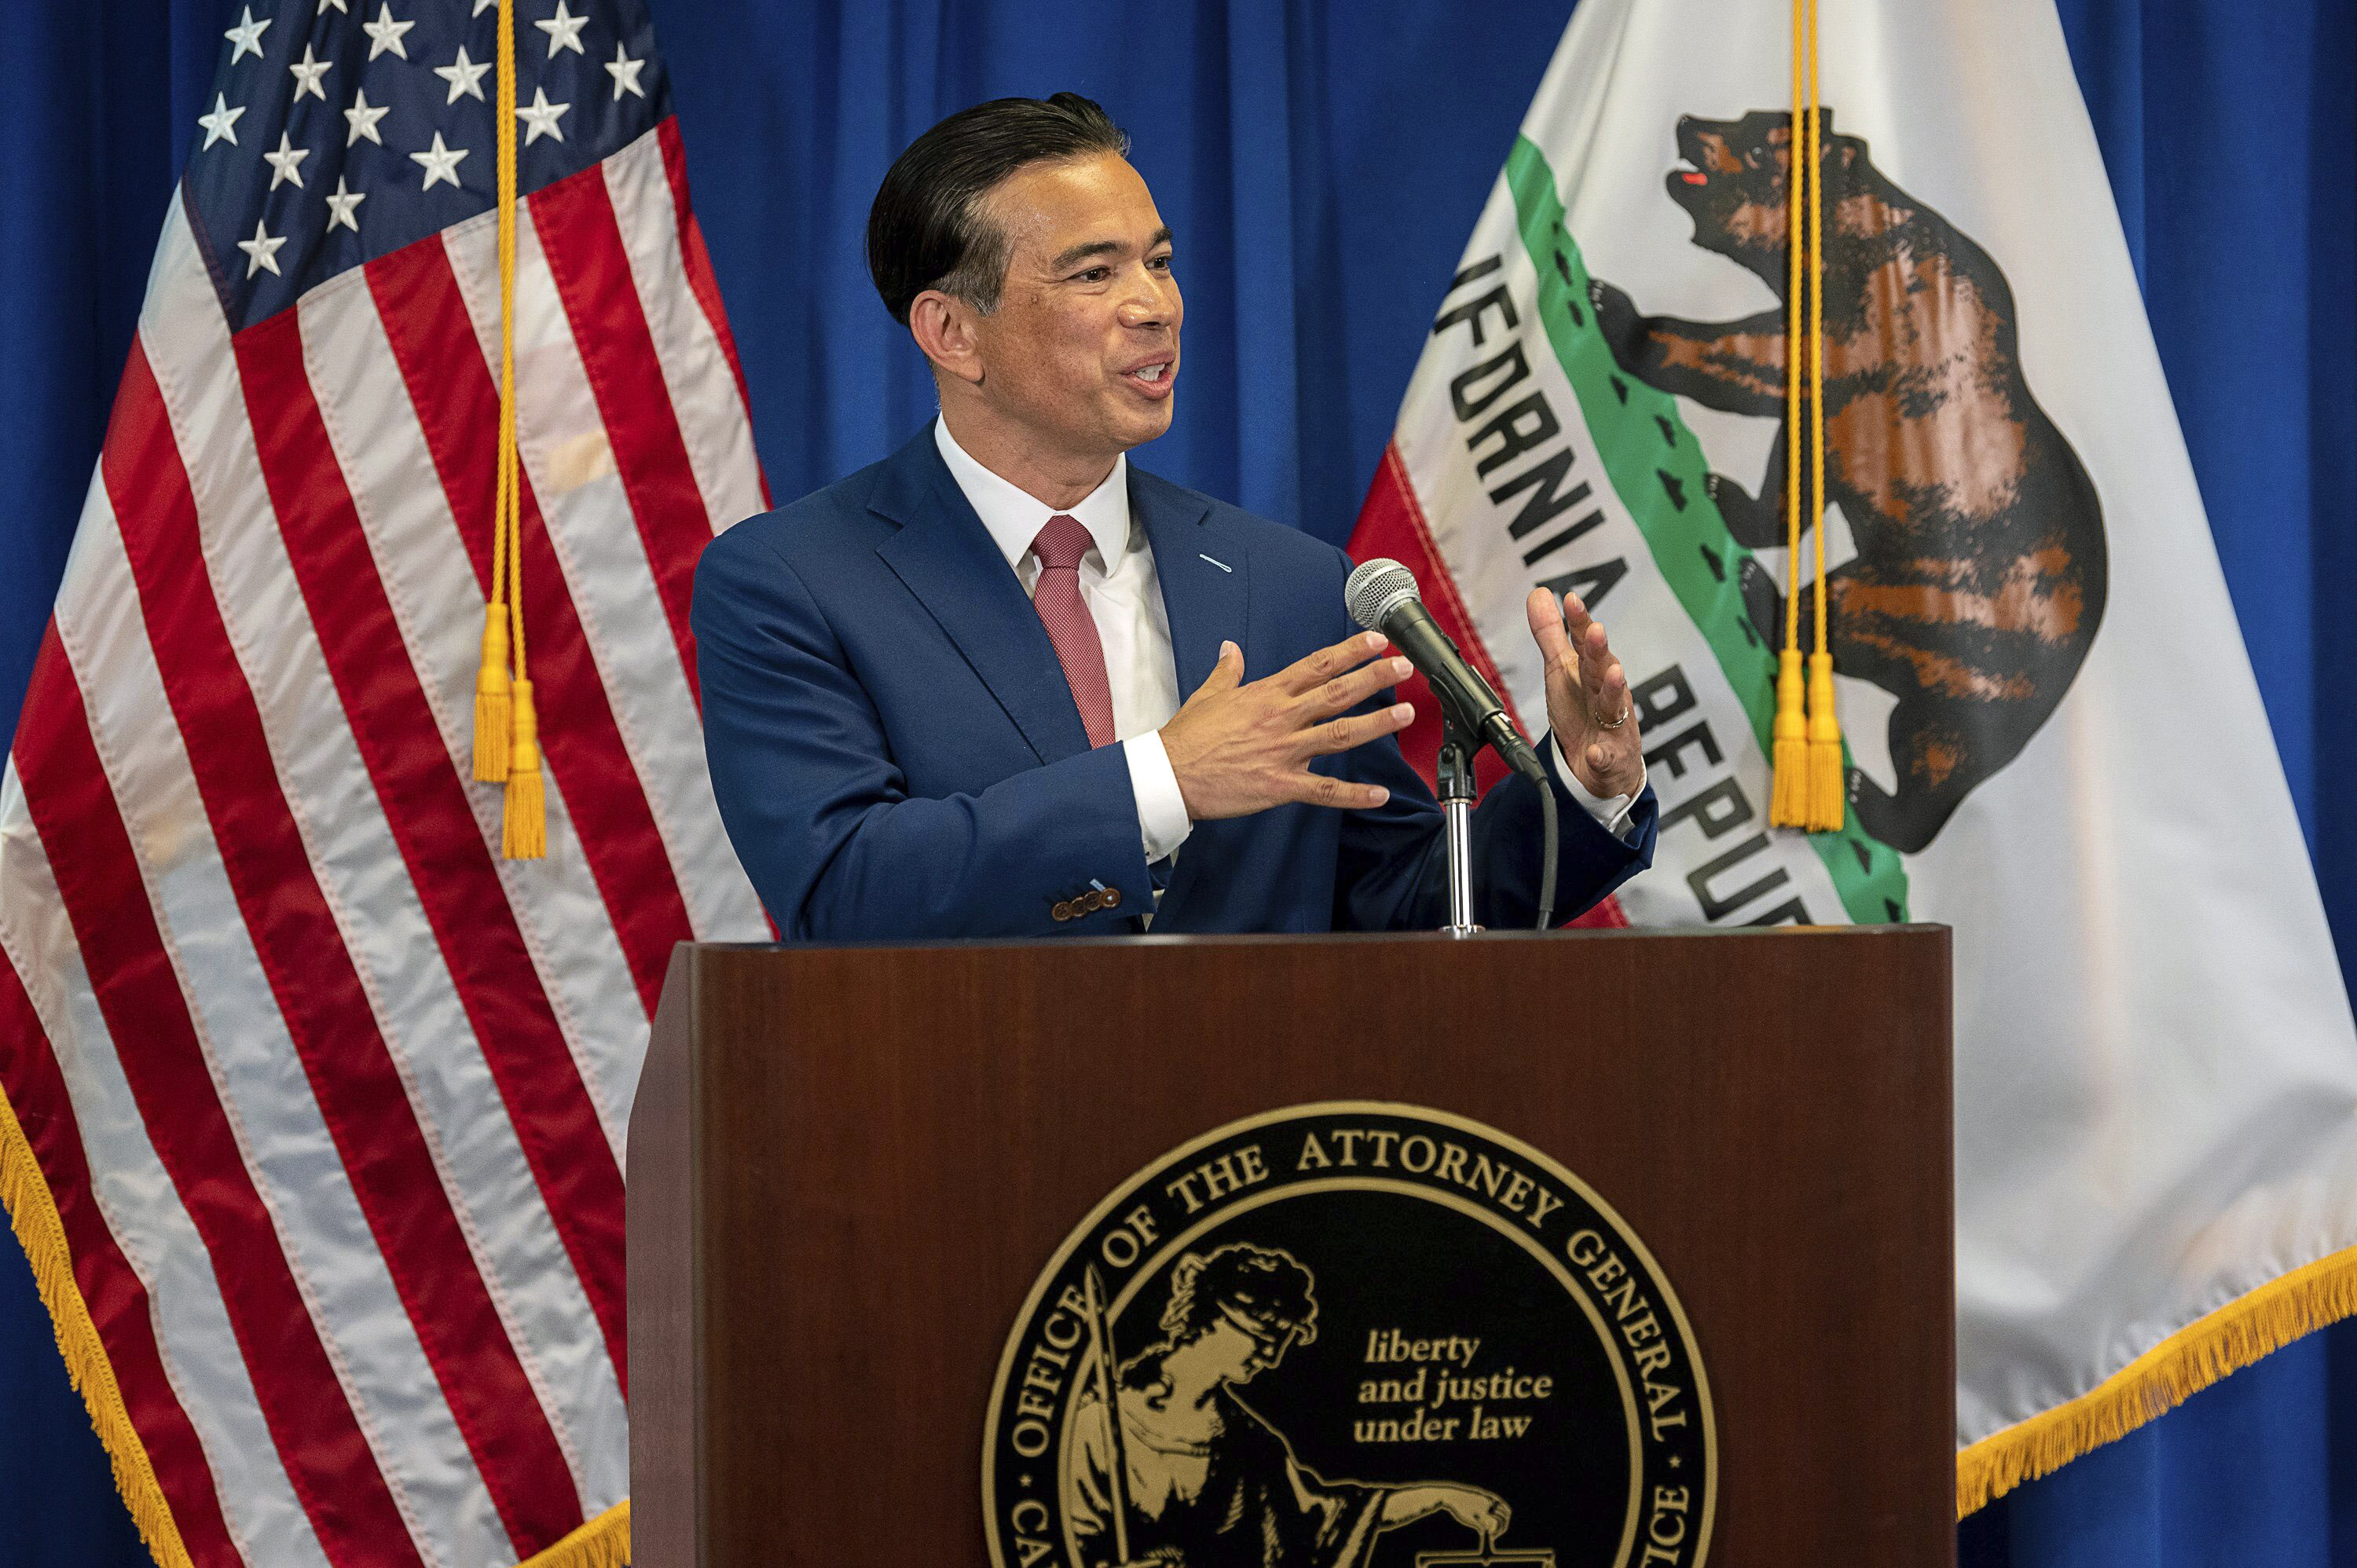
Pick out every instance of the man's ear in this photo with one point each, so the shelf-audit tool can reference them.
(944, 327)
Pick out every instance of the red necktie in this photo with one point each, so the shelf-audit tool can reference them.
(1069, 626)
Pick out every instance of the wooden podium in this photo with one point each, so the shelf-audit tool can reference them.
(848, 1165)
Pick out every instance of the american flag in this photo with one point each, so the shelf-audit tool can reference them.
(314, 1106)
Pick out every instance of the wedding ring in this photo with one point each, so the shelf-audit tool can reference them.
(1616, 724)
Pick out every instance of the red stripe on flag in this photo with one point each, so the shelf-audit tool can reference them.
(312, 1425)
(1607, 916)
(432, 823)
(315, 985)
(701, 280)
(582, 240)
(457, 405)
(1392, 524)
(109, 1288)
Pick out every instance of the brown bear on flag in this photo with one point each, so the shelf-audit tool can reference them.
(1980, 572)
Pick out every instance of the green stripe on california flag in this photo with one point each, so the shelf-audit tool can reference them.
(1696, 555)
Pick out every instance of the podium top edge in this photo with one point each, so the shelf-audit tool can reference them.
(1921, 930)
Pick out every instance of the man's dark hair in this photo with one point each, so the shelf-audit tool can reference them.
(927, 228)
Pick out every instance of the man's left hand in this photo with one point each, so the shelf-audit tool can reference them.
(1588, 699)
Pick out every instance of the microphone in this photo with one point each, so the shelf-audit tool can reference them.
(1383, 597)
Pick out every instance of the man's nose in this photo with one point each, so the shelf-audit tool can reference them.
(1153, 301)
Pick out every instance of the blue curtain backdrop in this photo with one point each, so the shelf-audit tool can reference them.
(1322, 164)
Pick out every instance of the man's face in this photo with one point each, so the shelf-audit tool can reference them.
(1084, 347)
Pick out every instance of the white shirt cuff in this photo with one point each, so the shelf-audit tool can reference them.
(1162, 818)
(1611, 815)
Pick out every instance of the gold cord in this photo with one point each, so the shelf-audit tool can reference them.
(523, 833)
(1788, 805)
(1827, 807)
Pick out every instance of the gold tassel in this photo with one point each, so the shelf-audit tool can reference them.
(1826, 804)
(1788, 802)
(493, 698)
(524, 828)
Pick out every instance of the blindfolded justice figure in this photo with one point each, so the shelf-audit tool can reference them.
(1204, 1482)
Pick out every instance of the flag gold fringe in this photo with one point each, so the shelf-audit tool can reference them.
(2164, 1377)
(603, 1542)
(33, 1214)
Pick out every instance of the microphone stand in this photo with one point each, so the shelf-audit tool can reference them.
(1455, 774)
(1458, 746)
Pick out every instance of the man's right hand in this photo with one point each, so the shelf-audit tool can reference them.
(1238, 748)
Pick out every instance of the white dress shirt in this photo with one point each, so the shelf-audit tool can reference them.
(1123, 594)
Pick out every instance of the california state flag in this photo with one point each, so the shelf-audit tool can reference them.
(2055, 744)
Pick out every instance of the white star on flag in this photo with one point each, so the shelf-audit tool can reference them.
(286, 163)
(246, 36)
(342, 204)
(441, 163)
(384, 33)
(564, 30)
(220, 126)
(542, 116)
(625, 73)
(339, 5)
(363, 119)
(261, 250)
(307, 71)
(465, 76)
(481, 6)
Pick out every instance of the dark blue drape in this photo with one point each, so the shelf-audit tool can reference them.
(1322, 164)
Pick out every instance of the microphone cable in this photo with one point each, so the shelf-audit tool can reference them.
(1546, 866)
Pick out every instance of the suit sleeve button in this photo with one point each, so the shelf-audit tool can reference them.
(1113, 897)
(1062, 911)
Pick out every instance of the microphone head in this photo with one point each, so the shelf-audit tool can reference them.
(1376, 587)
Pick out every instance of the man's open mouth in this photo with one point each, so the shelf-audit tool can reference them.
(1153, 375)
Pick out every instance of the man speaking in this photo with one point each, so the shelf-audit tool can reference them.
(941, 698)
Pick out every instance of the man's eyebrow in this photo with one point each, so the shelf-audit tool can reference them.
(1081, 251)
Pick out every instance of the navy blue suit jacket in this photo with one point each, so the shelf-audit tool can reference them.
(897, 755)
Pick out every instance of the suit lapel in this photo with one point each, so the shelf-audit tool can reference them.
(948, 559)
(1202, 572)
(1206, 592)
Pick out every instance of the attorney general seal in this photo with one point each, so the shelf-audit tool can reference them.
(1350, 1335)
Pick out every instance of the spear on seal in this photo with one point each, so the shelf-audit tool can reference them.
(1109, 1389)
